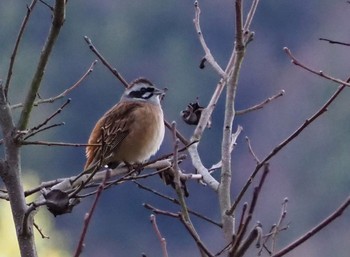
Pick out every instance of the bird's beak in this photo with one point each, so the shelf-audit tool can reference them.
(160, 92)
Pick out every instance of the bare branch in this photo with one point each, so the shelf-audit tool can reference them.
(57, 23)
(231, 88)
(64, 93)
(337, 213)
(334, 42)
(250, 16)
(159, 235)
(277, 228)
(238, 243)
(46, 143)
(208, 56)
(319, 73)
(40, 231)
(18, 39)
(37, 128)
(173, 200)
(260, 105)
(105, 62)
(178, 134)
(44, 128)
(177, 181)
(252, 151)
(239, 25)
(196, 238)
(10, 171)
(158, 211)
(254, 235)
(88, 216)
(284, 143)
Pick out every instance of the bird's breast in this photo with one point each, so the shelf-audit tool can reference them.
(145, 137)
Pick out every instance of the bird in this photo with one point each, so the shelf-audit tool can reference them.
(131, 131)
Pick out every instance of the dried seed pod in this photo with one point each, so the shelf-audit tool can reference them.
(192, 114)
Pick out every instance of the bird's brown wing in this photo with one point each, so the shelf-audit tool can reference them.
(109, 132)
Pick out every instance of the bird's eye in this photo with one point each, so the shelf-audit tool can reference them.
(147, 89)
(144, 93)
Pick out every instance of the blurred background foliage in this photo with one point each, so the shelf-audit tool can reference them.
(156, 39)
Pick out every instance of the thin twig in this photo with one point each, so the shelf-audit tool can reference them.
(105, 62)
(43, 129)
(40, 231)
(88, 217)
(47, 143)
(334, 42)
(158, 211)
(18, 39)
(185, 217)
(243, 228)
(277, 228)
(252, 206)
(242, 219)
(47, 5)
(35, 129)
(337, 213)
(252, 151)
(178, 135)
(196, 238)
(208, 56)
(29, 211)
(174, 200)
(177, 180)
(261, 105)
(159, 235)
(64, 93)
(250, 15)
(206, 115)
(319, 73)
(57, 23)
(284, 143)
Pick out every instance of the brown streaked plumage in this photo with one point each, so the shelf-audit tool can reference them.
(132, 130)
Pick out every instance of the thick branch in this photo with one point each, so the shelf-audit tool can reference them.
(231, 88)
(57, 23)
(10, 173)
